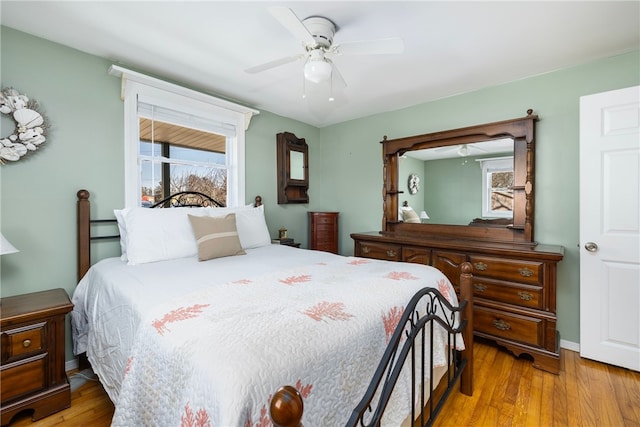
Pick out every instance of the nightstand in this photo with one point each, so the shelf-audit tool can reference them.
(287, 243)
(32, 362)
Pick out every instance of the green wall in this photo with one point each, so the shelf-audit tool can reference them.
(453, 190)
(84, 149)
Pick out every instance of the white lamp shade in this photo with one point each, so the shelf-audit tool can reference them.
(6, 247)
(317, 71)
(423, 215)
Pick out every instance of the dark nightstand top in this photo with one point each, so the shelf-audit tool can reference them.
(16, 308)
(292, 243)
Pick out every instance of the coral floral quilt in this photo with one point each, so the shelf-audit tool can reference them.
(214, 357)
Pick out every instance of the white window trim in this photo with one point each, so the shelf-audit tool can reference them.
(493, 164)
(158, 92)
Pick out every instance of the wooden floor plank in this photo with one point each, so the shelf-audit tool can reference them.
(586, 393)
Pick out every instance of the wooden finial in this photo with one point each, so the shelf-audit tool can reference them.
(258, 201)
(83, 195)
(529, 112)
(286, 407)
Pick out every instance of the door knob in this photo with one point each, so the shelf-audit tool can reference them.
(591, 247)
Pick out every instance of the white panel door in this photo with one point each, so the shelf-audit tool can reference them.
(610, 227)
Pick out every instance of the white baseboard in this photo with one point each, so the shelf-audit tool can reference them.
(70, 365)
(570, 345)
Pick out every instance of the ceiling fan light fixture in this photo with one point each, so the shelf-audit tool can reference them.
(317, 71)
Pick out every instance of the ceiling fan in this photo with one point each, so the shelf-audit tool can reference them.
(316, 35)
(463, 150)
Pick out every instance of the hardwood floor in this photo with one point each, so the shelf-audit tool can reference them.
(508, 392)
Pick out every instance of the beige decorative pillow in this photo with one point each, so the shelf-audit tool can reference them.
(216, 236)
(409, 215)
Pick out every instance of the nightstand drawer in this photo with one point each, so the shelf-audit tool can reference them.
(23, 341)
(23, 378)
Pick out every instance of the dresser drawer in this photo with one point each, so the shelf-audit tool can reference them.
(449, 264)
(416, 255)
(509, 292)
(507, 269)
(378, 251)
(511, 326)
(324, 230)
(23, 378)
(19, 342)
(329, 220)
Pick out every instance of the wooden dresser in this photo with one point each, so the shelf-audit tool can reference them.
(33, 354)
(323, 231)
(514, 286)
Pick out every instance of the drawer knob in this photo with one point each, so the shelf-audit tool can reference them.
(26, 343)
(525, 272)
(480, 266)
(391, 253)
(365, 249)
(480, 287)
(501, 325)
(525, 296)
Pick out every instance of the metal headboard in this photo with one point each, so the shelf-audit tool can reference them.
(85, 223)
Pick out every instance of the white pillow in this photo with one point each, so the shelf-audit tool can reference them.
(251, 225)
(159, 234)
(122, 228)
(252, 228)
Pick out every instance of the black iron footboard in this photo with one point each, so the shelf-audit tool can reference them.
(411, 342)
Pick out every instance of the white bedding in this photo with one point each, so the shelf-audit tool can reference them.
(176, 340)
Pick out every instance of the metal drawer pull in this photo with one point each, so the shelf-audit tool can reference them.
(480, 287)
(391, 253)
(525, 272)
(480, 266)
(26, 343)
(525, 296)
(365, 249)
(501, 325)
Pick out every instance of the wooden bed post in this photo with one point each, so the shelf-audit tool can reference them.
(286, 407)
(466, 294)
(84, 230)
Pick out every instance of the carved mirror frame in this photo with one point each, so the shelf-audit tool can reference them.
(291, 189)
(521, 130)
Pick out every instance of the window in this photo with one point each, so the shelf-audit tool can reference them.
(497, 187)
(177, 139)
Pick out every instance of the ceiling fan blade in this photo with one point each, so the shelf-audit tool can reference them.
(370, 47)
(290, 21)
(273, 64)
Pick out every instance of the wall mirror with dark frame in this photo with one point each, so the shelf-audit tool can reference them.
(293, 168)
(452, 165)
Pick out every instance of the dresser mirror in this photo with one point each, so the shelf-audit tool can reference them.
(293, 169)
(481, 174)
(459, 157)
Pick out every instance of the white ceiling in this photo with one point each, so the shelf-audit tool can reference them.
(451, 47)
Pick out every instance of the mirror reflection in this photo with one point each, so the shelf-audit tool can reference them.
(461, 183)
(296, 165)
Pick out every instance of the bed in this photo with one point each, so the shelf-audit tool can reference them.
(177, 339)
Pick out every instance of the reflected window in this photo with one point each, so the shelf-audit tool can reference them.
(497, 187)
